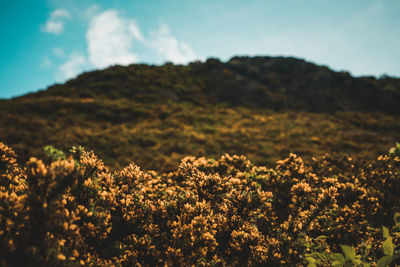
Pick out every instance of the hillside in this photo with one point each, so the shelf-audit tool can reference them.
(265, 82)
(262, 107)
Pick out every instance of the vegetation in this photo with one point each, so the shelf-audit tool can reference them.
(261, 107)
(349, 257)
(395, 151)
(193, 203)
(158, 141)
(71, 210)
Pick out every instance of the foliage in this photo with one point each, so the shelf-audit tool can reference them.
(157, 136)
(53, 154)
(395, 151)
(262, 107)
(227, 212)
(349, 257)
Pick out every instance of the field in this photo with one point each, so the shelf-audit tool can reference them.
(158, 136)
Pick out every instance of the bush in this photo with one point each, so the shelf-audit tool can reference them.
(349, 257)
(227, 212)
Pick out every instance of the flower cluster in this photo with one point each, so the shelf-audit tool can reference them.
(72, 211)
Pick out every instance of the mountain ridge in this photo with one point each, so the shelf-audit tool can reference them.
(265, 82)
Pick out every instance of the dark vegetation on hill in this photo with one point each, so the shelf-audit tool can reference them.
(266, 82)
(262, 107)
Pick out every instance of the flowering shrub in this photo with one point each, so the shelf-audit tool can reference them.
(70, 210)
(390, 251)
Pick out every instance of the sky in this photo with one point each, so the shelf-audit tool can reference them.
(44, 42)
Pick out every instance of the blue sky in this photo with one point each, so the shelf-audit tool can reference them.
(48, 42)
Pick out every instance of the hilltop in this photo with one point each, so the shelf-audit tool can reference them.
(262, 107)
(265, 82)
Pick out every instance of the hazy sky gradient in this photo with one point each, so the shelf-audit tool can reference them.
(47, 42)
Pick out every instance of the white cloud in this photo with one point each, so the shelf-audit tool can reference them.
(110, 39)
(91, 11)
(60, 13)
(46, 63)
(75, 64)
(55, 24)
(169, 47)
(135, 31)
(59, 52)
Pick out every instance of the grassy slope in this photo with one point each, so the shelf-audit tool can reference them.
(261, 107)
(157, 136)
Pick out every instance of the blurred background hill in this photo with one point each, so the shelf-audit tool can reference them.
(262, 107)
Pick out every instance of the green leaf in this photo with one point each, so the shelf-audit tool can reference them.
(319, 256)
(339, 258)
(53, 154)
(321, 237)
(337, 264)
(349, 252)
(384, 261)
(397, 218)
(388, 247)
(396, 234)
(385, 232)
(311, 262)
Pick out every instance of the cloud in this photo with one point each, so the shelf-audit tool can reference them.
(91, 11)
(46, 63)
(75, 64)
(135, 31)
(55, 24)
(169, 47)
(110, 39)
(59, 52)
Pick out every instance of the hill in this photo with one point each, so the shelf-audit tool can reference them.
(266, 82)
(262, 107)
